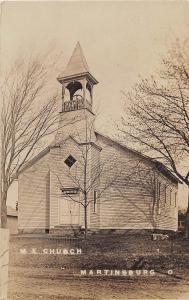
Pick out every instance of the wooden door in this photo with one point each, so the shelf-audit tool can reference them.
(69, 210)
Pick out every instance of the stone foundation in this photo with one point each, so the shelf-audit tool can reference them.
(65, 230)
(77, 230)
(33, 230)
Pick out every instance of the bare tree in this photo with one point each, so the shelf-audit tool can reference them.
(158, 119)
(85, 175)
(28, 115)
(158, 116)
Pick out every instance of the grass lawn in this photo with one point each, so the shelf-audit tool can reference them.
(104, 268)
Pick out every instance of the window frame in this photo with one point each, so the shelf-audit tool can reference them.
(95, 192)
(165, 194)
(71, 159)
(158, 193)
(175, 199)
(170, 197)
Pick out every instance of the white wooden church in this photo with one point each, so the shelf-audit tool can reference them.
(86, 177)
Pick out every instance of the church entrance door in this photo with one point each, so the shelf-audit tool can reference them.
(69, 210)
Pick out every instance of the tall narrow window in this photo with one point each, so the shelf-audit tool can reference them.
(158, 198)
(95, 202)
(159, 191)
(165, 194)
(175, 199)
(170, 196)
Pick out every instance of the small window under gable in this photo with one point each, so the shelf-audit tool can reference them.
(70, 161)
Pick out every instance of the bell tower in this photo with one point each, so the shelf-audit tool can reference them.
(77, 96)
(77, 83)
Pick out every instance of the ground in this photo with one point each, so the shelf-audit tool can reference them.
(58, 276)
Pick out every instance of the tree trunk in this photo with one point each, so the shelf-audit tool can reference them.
(3, 189)
(85, 216)
(4, 209)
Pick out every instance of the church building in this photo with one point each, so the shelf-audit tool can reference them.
(85, 179)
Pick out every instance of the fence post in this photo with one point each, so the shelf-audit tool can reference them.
(4, 260)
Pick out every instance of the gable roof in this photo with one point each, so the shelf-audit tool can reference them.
(35, 158)
(47, 150)
(160, 166)
(79, 143)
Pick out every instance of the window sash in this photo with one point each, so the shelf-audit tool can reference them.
(175, 199)
(95, 201)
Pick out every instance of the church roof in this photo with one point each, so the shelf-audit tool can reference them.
(160, 166)
(77, 65)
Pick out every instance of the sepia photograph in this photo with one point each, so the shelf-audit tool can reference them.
(94, 150)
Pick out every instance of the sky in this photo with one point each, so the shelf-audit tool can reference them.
(121, 41)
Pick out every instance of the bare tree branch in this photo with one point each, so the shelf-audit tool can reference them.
(25, 121)
(158, 116)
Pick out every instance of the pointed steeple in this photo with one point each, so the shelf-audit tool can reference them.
(77, 63)
(77, 66)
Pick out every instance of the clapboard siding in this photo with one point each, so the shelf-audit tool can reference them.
(129, 200)
(126, 186)
(34, 197)
(64, 177)
(168, 215)
(75, 124)
(95, 178)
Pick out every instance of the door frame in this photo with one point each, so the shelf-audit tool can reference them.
(59, 210)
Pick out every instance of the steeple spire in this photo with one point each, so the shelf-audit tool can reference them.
(77, 63)
(78, 81)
